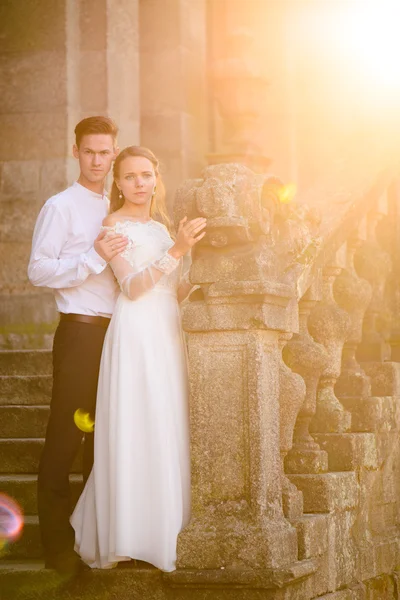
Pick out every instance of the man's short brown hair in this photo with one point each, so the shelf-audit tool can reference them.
(91, 125)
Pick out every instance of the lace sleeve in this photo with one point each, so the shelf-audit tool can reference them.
(135, 283)
(185, 285)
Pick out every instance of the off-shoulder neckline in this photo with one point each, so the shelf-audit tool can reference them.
(128, 220)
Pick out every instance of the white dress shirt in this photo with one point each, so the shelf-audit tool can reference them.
(63, 257)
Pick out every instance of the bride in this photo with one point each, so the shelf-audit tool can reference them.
(137, 498)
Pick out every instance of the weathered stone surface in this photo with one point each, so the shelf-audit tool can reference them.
(17, 220)
(312, 535)
(343, 595)
(25, 341)
(327, 492)
(32, 137)
(28, 545)
(23, 489)
(26, 362)
(42, 29)
(307, 358)
(380, 588)
(385, 378)
(20, 179)
(235, 465)
(292, 390)
(328, 324)
(25, 389)
(371, 414)
(27, 313)
(353, 294)
(23, 422)
(37, 79)
(22, 456)
(349, 451)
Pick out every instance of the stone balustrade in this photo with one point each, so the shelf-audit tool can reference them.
(294, 392)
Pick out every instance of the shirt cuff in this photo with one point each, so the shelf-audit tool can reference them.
(95, 263)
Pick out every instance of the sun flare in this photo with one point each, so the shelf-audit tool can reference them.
(371, 35)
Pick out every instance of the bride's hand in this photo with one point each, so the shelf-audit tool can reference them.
(189, 233)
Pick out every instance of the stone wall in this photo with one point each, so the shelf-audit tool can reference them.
(60, 61)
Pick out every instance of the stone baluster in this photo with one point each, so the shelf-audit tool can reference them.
(353, 294)
(329, 325)
(388, 234)
(308, 358)
(373, 264)
(292, 390)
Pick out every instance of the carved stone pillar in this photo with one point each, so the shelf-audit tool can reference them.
(304, 356)
(329, 325)
(234, 322)
(353, 294)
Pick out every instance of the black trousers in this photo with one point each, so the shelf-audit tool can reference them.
(76, 360)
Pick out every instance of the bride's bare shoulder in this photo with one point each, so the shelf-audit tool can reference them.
(110, 220)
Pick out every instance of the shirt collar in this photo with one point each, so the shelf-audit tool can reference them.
(88, 193)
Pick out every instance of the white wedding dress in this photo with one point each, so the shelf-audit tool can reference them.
(137, 498)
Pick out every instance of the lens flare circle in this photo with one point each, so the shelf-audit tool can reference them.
(83, 421)
(11, 520)
(287, 193)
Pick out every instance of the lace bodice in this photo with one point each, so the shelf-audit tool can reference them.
(145, 264)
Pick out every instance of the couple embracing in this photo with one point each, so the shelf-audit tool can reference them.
(116, 271)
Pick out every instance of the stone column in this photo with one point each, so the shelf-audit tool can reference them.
(103, 67)
(123, 77)
(33, 148)
(173, 96)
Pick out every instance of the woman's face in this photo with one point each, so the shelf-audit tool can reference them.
(137, 179)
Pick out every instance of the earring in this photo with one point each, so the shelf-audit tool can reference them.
(120, 195)
(154, 191)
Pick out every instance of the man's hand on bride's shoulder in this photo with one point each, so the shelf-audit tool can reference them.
(189, 233)
(108, 245)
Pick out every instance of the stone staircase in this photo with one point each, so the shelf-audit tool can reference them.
(25, 390)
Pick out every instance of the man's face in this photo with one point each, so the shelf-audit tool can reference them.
(96, 153)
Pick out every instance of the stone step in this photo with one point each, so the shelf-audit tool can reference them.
(23, 421)
(13, 566)
(23, 489)
(22, 456)
(28, 580)
(25, 362)
(26, 341)
(25, 389)
(28, 545)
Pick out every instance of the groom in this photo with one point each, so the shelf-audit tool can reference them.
(70, 256)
